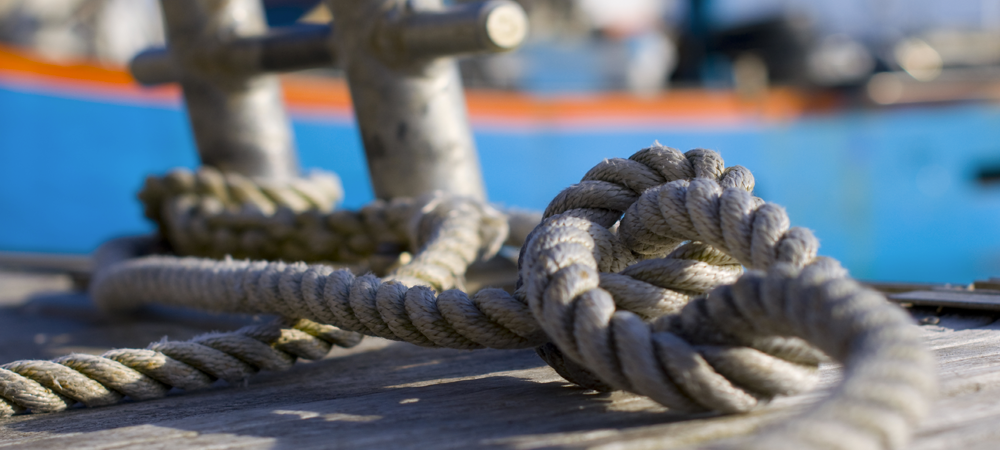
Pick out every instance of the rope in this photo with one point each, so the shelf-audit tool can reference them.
(211, 214)
(142, 374)
(607, 277)
(443, 229)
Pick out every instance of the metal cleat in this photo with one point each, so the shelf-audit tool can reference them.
(236, 112)
(406, 89)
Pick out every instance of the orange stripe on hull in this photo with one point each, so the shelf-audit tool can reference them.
(324, 96)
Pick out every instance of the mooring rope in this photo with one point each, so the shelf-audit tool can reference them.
(606, 278)
(142, 374)
(211, 214)
(453, 232)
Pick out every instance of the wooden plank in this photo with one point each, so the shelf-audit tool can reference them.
(53, 262)
(990, 284)
(891, 288)
(966, 421)
(395, 395)
(950, 299)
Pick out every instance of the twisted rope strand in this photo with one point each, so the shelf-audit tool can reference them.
(367, 307)
(888, 377)
(643, 235)
(443, 229)
(142, 374)
(208, 213)
(491, 318)
(559, 268)
(361, 304)
(553, 288)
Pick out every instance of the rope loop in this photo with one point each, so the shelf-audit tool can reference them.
(633, 280)
(710, 355)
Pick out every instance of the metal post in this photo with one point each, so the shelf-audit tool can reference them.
(238, 118)
(408, 95)
(406, 90)
(280, 50)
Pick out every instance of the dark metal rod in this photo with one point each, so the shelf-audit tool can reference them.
(281, 50)
(154, 66)
(297, 48)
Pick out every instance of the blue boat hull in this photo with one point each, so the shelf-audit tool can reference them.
(893, 194)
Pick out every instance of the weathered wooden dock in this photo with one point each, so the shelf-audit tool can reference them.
(383, 394)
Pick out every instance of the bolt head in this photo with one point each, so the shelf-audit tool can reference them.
(507, 26)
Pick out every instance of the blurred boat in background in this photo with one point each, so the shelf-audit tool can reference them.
(890, 154)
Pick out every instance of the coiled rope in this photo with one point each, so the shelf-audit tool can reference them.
(684, 224)
(211, 214)
(453, 232)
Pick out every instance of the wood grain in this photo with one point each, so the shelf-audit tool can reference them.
(394, 395)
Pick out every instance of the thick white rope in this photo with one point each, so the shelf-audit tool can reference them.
(141, 374)
(211, 214)
(726, 352)
(456, 231)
